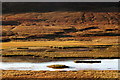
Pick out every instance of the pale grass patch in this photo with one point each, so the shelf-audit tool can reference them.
(7, 45)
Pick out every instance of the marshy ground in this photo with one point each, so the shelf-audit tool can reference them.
(57, 34)
(39, 51)
(48, 51)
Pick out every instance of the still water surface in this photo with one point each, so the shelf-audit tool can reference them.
(106, 64)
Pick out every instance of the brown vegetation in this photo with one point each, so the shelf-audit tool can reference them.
(59, 32)
(58, 66)
(56, 26)
(60, 75)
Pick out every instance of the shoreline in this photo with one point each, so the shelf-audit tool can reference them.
(37, 59)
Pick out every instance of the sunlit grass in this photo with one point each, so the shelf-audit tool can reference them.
(7, 45)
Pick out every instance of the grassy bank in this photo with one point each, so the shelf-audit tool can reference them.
(61, 75)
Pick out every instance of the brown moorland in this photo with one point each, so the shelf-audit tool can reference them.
(40, 32)
(60, 25)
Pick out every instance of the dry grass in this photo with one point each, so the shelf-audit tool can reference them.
(25, 26)
(62, 75)
(98, 51)
(52, 43)
(58, 66)
(43, 26)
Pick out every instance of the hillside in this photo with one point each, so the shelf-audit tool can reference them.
(59, 25)
(59, 21)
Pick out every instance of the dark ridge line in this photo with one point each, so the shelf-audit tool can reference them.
(19, 7)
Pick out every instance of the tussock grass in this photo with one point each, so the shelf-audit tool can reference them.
(58, 66)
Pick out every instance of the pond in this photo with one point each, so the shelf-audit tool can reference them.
(106, 64)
